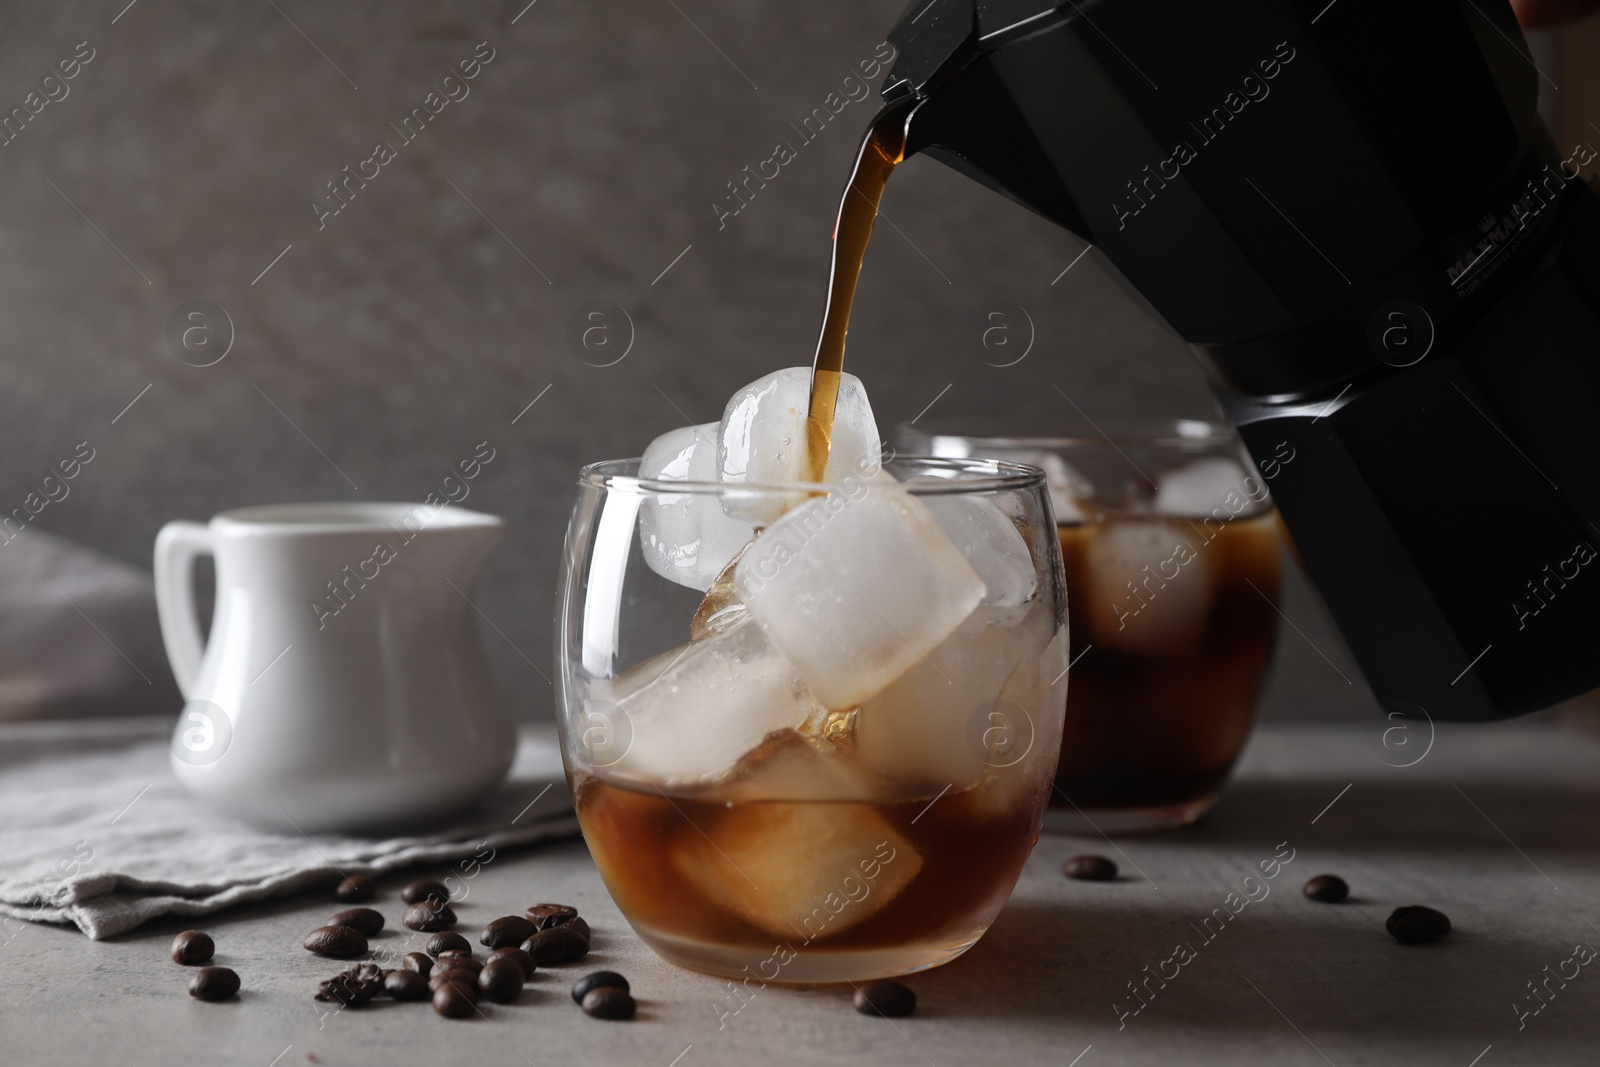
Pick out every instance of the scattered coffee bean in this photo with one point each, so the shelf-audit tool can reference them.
(213, 983)
(454, 1001)
(406, 985)
(522, 959)
(1328, 888)
(424, 890)
(462, 977)
(470, 964)
(891, 999)
(339, 941)
(558, 944)
(1090, 869)
(355, 986)
(428, 918)
(363, 920)
(192, 946)
(508, 930)
(419, 962)
(544, 916)
(444, 942)
(597, 980)
(608, 1002)
(500, 981)
(1415, 924)
(355, 889)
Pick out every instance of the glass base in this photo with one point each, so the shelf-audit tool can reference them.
(805, 966)
(1092, 822)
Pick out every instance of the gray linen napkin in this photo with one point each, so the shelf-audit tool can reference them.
(94, 830)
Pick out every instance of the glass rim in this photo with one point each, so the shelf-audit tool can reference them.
(969, 475)
(1148, 433)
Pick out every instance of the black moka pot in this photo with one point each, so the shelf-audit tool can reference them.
(1352, 213)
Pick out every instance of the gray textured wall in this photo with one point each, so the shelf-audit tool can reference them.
(425, 315)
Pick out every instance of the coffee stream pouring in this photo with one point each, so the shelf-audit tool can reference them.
(1390, 272)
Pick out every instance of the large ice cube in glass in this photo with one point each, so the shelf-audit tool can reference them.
(791, 765)
(686, 537)
(1150, 585)
(921, 727)
(1021, 766)
(856, 587)
(687, 716)
(762, 439)
(990, 542)
(799, 871)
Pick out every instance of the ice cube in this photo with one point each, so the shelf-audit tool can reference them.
(990, 542)
(789, 765)
(1150, 585)
(1204, 486)
(762, 439)
(920, 728)
(1020, 770)
(686, 537)
(855, 587)
(687, 716)
(799, 871)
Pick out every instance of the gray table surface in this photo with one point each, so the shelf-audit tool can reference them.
(1495, 825)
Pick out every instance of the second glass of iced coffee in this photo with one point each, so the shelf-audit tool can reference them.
(1172, 553)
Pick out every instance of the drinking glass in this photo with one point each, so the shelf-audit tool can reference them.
(1172, 553)
(817, 770)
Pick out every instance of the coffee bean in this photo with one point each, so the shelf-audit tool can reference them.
(1090, 869)
(1328, 888)
(544, 916)
(428, 919)
(355, 889)
(444, 942)
(406, 985)
(419, 891)
(559, 944)
(339, 941)
(1415, 924)
(420, 962)
(508, 930)
(213, 983)
(597, 980)
(454, 1001)
(463, 977)
(363, 920)
(354, 986)
(608, 1002)
(192, 946)
(890, 999)
(500, 981)
(470, 964)
(521, 958)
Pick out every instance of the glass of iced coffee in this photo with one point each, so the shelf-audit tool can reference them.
(1172, 553)
(810, 728)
